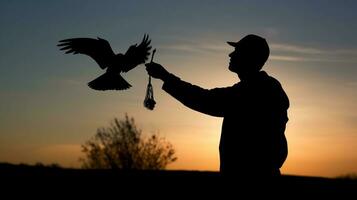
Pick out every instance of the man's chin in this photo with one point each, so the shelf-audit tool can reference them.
(231, 68)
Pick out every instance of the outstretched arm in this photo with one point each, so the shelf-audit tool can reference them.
(211, 102)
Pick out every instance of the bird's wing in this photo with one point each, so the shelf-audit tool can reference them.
(98, 49)
(137, 54)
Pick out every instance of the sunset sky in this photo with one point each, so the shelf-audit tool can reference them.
(47, 110)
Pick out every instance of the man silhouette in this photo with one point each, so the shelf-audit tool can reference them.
(252, 141)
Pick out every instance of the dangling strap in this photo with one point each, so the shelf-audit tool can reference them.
(149, 101)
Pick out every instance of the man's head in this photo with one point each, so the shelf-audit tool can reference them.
(249, 55)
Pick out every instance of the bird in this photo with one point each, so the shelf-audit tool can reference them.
(100, 50)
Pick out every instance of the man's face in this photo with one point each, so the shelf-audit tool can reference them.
(236, 62)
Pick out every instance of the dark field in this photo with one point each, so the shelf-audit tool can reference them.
(40, 179)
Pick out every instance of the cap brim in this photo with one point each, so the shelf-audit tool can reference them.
(233, 44)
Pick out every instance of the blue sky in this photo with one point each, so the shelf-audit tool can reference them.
(46, 106)
(31, 28)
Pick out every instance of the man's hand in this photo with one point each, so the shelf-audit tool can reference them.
(157, 71)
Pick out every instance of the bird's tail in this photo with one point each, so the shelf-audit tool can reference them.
(109, 81)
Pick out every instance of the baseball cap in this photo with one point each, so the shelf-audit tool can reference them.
(253, 45)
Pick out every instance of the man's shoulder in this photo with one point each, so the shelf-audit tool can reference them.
(275, 87)
(268, 79)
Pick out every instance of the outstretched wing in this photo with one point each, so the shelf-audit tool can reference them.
(98, 49)
(137, 54)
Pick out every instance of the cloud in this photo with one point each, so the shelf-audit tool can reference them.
(196, 47)
(299, 53)
(287, 58)
(279, 51)
(295, 48)
(310, 59)
(349, 52)
(290, 48)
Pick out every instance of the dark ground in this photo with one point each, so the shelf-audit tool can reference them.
(168, 184)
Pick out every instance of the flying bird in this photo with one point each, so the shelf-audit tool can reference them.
(100, 50)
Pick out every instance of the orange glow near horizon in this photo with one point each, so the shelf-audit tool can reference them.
(316, 147)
